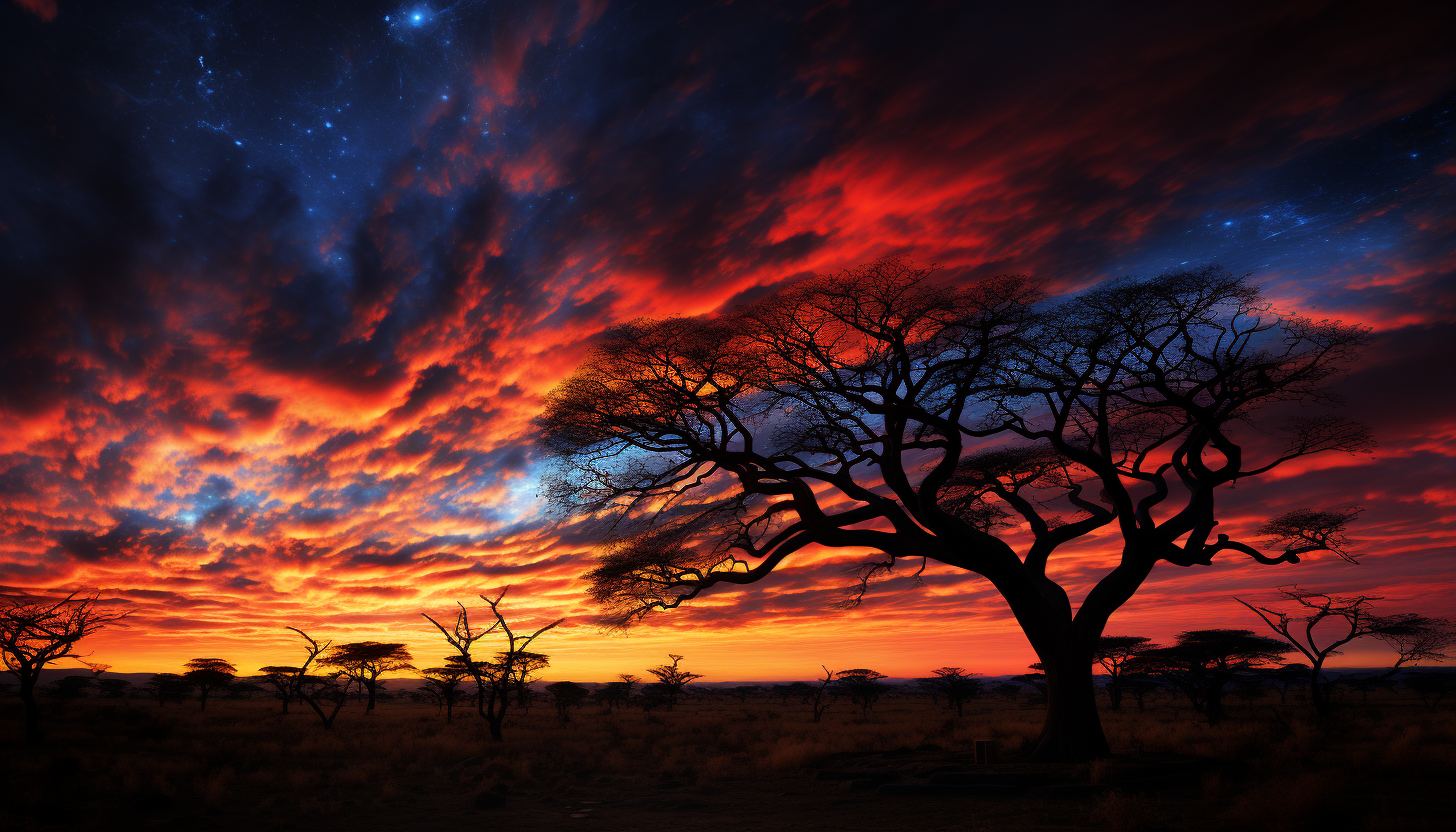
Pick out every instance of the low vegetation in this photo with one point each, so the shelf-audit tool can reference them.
(740, 757)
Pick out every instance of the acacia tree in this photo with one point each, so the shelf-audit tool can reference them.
(955, 684)
(527, 666)
(1202, 663)
(861, 685)
(35, 632)
(281, 678)
(1415, 637)
(566, 695)
(820, 703)
(1113, 654)
(170, 687)
(209, 675)
(493, 679)
(672, 679)
(366, 661)
(323, 694)
(618, 693)
(443, 685)
(879, 410)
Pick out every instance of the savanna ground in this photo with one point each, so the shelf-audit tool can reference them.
(716, 763)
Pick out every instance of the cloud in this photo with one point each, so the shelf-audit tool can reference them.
(228, 378)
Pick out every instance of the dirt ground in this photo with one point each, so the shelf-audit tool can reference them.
(717, 763)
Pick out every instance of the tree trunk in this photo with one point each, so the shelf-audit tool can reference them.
(1114, 694)
(204, 699)
(32, 711)
(1319, 694)
(1072, 731)
(369, 708)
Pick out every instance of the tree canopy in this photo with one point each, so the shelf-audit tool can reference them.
(882, 410)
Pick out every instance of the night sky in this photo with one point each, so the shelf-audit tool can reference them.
(283, 288)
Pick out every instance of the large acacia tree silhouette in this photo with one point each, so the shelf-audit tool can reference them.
(878, 409)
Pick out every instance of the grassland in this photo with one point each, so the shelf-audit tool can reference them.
(719, 763)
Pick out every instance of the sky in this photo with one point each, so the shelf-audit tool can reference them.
(284, 285)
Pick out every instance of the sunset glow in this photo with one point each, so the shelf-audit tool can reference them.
(283, 293)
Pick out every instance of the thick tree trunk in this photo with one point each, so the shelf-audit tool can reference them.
(369, 708)
(1319, 694)
(32, 711)
(1072, 731)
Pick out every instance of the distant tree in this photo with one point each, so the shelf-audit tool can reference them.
(70, 688)
(803, 691)
(1008, 691)
(745, 692)
(654, 695)
(673, 679)
(955, 684)
(1202, 663)
(35, 632)
(493, 679)
(209, 675)
(1415, 638)
(821, 704)
(861, 685)
(170, 687)
(114, 688)
(1286, 677)
(619, 693)
(325, 694)
(882, 410)
(565, 696)
(1139, 686)
(443, 685)
(282, 679)
(527, 667)
(1113, 653)
(1036, 680)
(1432, 686)
(365, 662)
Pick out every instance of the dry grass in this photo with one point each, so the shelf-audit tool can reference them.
(242, 764)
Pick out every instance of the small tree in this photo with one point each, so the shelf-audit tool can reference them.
(955, 684)
(1432, 686)
(320, 691)
(209, 675)
(114, 688)
(1036, 680)
(673, 679)
(35, 632)
(442, 684)
(281, 678)
(493, 680)
(1415, 638)
(565, 696)
(1113, 653)
(1286, 677)
(1203, 662)
(365, 662)
(820, 703)
(70, 688)
(1140, 686)
(527, 667)
(861, 685)
(617, 694)
(170, 687)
